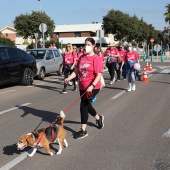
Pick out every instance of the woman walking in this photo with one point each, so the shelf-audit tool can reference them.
(89, 69)
(68, 60)
(131, 58)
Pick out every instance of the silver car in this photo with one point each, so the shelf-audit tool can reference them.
(48, 60)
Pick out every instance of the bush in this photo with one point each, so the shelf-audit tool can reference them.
(6, 42)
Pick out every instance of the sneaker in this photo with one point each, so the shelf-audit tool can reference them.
(75, 88)
(111, 82)
(129, 89)
(124, 78)
(117, 79)
(70, 83)
(64, 91)
(100, 122)
(133, 87)
(76, 83)
(81, 134)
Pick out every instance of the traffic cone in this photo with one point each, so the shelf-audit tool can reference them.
(144, 69)
(147, 66)
(150, 67)
(145, 77)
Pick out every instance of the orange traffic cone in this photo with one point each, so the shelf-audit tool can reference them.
(145, 77)
(150, 67)
(144, 70)
(147, 66)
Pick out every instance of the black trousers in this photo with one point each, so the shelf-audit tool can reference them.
(112, 68)
(67, 72)
(86, 106)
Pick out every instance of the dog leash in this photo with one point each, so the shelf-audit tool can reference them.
(70, 106)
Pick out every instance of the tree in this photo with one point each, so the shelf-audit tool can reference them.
(167, 14)
(127, 28)
(6, 42)
(28, 24)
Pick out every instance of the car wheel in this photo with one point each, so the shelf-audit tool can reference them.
(41, 75)
(28, 77)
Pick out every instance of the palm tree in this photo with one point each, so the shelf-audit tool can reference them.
(167, 14)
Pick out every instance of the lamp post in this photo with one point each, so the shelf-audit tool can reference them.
(40, 4)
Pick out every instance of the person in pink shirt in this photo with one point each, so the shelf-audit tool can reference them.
(131, 58)
(89, 69)
(113, 55)
(122, 64)
(68, 60)
(81, 51)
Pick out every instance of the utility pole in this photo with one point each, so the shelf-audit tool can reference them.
(40, 4)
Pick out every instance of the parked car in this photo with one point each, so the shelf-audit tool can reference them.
(16, 66)
(48, 60)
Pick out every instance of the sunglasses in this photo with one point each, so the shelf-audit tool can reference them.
(68, 45)
(74, 48)
(121, 47)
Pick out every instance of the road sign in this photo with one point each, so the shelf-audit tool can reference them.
(43, 27)
(152, 40)
(157, 47)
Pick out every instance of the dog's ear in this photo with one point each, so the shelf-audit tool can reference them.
(36, 134)
(30, 140)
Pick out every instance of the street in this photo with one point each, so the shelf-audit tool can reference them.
(132, 138)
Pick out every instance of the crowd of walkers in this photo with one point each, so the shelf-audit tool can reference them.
(84, 66)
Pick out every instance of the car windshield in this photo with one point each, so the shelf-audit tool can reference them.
(37, 54)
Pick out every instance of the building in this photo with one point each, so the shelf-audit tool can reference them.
(76, 34)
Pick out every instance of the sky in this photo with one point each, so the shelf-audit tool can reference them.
(85, 11)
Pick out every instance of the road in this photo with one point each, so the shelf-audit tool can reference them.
(132, 138)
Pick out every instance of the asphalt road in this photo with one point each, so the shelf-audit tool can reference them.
(132, 138)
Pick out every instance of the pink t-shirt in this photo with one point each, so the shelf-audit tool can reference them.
(68, 59)
(88, 67)
(113, 51)
(131, 56)
(122, 54)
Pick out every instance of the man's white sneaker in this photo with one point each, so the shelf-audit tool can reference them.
(111, 82)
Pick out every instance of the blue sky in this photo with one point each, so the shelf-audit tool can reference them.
(85, 12)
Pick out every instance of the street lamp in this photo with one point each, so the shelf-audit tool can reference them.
(40, 4)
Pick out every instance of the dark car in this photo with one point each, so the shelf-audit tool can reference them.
(16, 66)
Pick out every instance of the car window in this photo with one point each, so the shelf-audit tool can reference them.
(22, 53)
(4, 54)
(49, 54)
(37, 54)
(13, 53)
(56, 53)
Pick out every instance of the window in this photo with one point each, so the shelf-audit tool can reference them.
(6, 34)
(4, 54)
(77, 34)
(56, 53)
(13, 53)
(49, 54)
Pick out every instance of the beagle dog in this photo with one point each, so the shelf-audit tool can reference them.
(43, 138)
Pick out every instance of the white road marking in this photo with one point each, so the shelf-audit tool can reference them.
(15, 161)
(165, 71)
(14, 108)
(119, 94)
(55, 80)
(7, 91)
(162, 67)
(167, 133)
